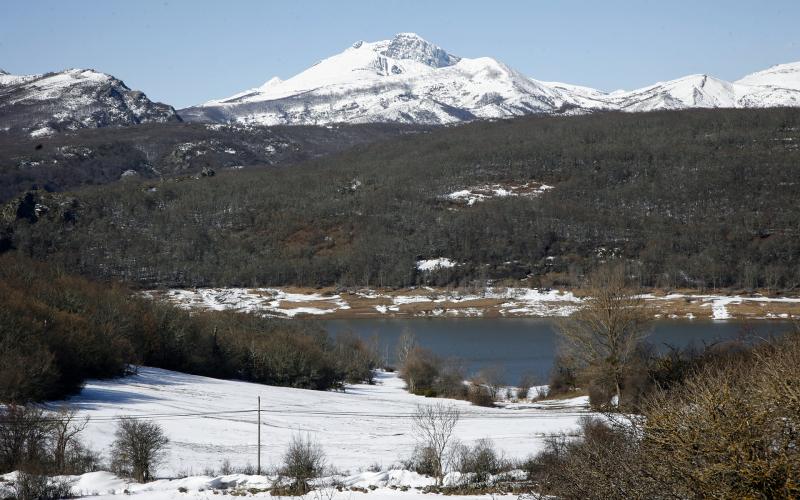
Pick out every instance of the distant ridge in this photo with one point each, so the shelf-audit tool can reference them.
(409, 80)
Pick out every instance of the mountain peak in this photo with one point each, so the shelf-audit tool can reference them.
(413, 47)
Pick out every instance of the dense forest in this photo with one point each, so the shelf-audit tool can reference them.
(97, 156)
(698, 199)
(58, 330)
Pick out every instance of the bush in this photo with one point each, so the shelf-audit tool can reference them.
(138, 449)
(303, 461)
(526, 382)
(728, 430)
(355, 358)
(480, 461)
(562, 377)
(420, 370)
(24, 433)
(480, 395)
(28, 486)
(423, 461)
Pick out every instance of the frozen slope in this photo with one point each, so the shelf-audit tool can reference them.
(364, 425)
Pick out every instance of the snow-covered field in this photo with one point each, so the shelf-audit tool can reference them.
(362, 426)
(209, 421)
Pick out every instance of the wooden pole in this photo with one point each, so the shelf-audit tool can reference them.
(259, 436)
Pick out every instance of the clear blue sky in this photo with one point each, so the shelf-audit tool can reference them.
(187, 51)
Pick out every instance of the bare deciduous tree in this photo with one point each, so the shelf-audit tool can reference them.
(433, 428)
(138, 449)
(604, 334)
(64, 431)
(23, 437)
(405, 344)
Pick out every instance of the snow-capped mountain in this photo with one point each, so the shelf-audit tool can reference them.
(72, 99)
(405, 79)
(408, 79)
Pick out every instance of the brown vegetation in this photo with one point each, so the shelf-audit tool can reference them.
(729, 429)
(59, 330)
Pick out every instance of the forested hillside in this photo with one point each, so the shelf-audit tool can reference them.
(150, 151)
(701, 198)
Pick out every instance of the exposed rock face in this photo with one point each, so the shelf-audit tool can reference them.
(73, 99)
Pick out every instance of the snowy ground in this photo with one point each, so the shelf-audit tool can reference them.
(388, 485)
(365, 425)
(415, 302)
(490, 302)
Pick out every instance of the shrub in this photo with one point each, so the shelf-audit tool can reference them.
(728, 430)
(303, 461)
(423, 461)
(562, 378)
(480, 461)
(420, 370)
(24, 432)
(480, 395)
(29, 486)
(138, 448)
(524, 386)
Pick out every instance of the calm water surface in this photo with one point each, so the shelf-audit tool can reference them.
(524, 345)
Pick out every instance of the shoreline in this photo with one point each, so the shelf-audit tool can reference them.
(489, 303)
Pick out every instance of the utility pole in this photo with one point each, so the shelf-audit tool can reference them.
(259, 436)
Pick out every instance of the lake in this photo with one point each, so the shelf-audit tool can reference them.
(525, 345)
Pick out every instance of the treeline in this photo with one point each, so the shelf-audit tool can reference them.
(698, 199)
(57, 330)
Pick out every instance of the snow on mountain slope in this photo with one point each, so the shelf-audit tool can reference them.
(693, 91)
(776, 86)
(72, 99)
(405, 79)
(785, 76)
(408, 79)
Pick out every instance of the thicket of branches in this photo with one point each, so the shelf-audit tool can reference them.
(729, 429)
(58, 330)
(700, 198)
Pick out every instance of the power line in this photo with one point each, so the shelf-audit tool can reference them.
(292, 413)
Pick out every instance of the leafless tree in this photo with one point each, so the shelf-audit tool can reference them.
(23, 437)
(138, 449)
(433, 429)
(405, 344)
(603, 335)
(64, 432)
(492, 377)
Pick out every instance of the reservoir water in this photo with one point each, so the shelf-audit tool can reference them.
(526, 345)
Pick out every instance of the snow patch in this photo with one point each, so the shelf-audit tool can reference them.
(428, 265)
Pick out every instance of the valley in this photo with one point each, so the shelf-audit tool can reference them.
(401, 271)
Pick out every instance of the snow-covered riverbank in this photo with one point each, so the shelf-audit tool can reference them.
(488, 303)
